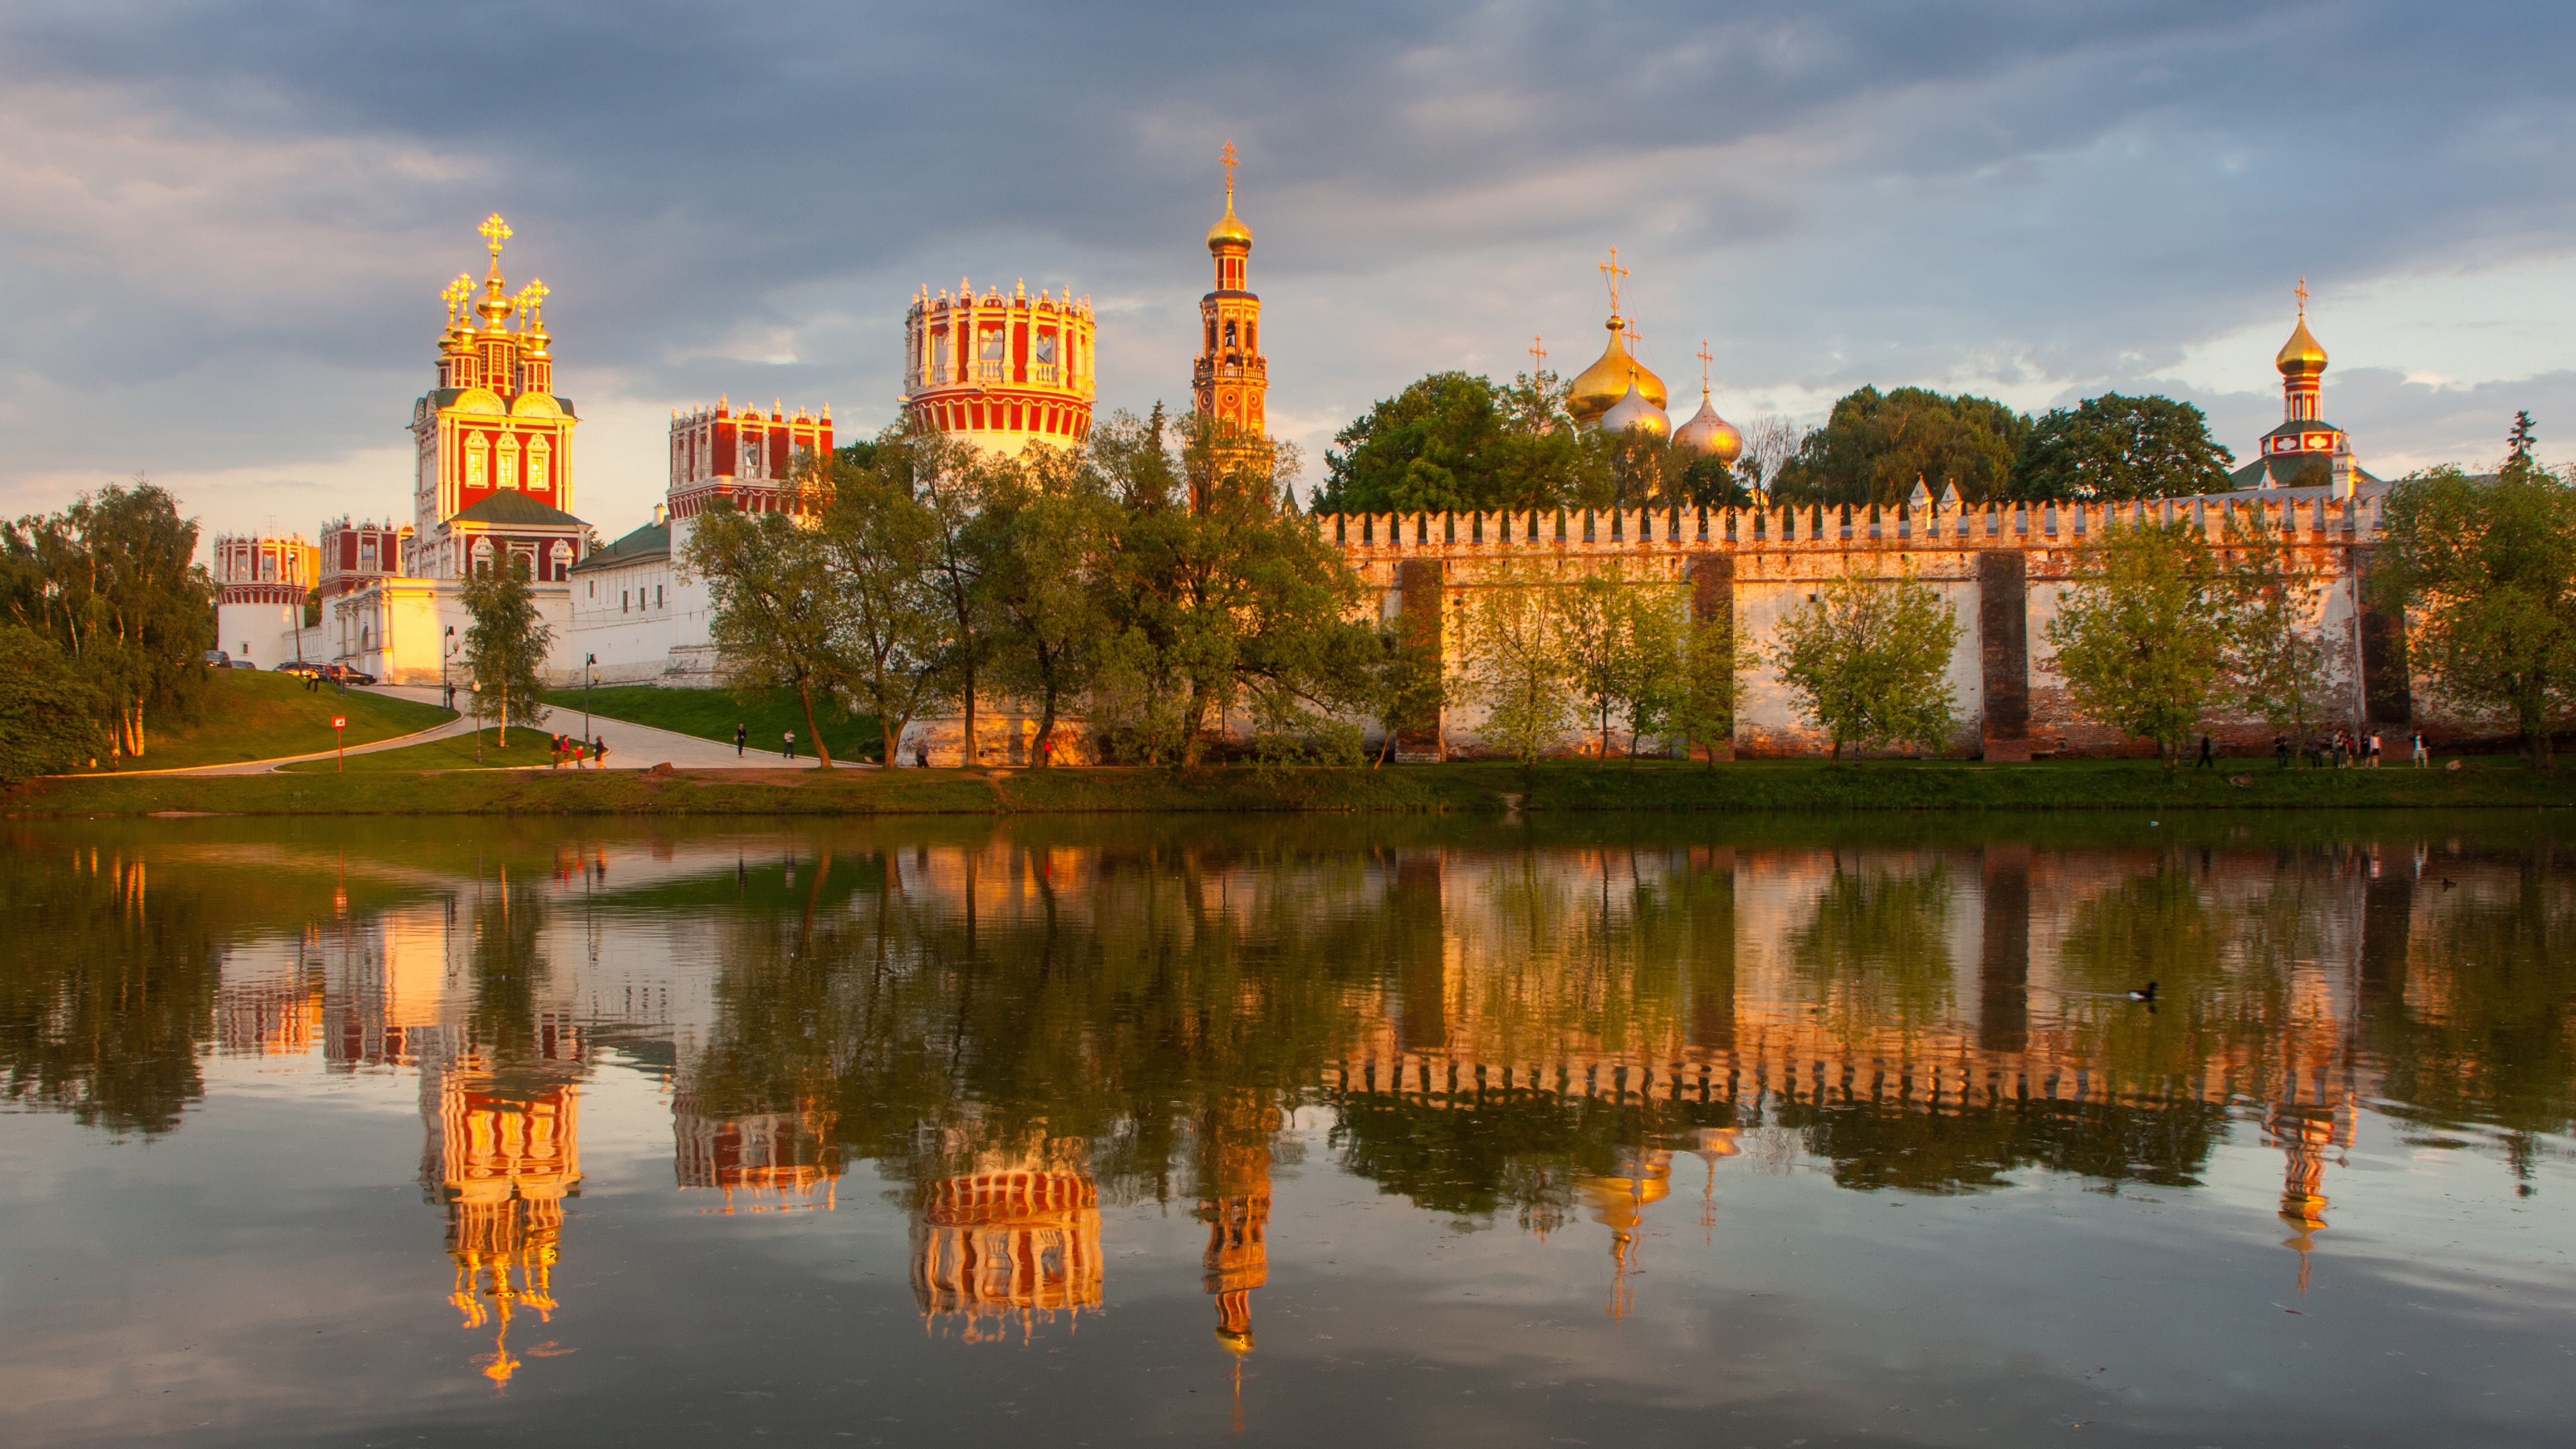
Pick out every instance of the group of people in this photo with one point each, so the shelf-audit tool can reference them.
(2344, 749)
(574, 747)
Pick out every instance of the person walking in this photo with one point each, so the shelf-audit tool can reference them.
(741, 740)
(554, 752)
(598, 754)
(2374, 749)
(791, 744)
(2281, 749)
(2423, 757)
(2207, 761)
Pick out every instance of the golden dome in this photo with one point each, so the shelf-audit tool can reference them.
(1632, 413)
(1229, 230)
(1599, 387)
(2301, 354)
(1709, 435)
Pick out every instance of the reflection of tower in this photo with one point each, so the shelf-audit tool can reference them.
(506, 1160)
(1642, 1177)
(1234, 1199)
(994, 1245)
(780, 1160)
(2304, 1132)
(1713, 1145)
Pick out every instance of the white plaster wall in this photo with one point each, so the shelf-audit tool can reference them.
(614, 617)
(261, 634)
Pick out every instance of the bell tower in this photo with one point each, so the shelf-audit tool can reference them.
(1232, 381)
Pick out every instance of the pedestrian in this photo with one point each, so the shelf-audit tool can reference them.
(791, 744)
(2374, 749)
(2281, 749)
(554, 752)
(451, 698)
(598, 753)
(921, 757)
(741, 740)
(2423, 757)
(2207, 761)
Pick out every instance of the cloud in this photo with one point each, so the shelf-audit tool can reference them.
(229, 221)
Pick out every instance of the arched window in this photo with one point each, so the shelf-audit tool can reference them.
(540, 465)
(482, 556)
(562, 567)
(478, 461)
(508, 474)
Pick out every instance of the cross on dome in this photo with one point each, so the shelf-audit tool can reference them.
(1614, 273)
(2303, 296)
(1704, 360)
(495, 231)
(1228, 157)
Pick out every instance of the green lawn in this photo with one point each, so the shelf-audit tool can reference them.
(407, 781)
(526, 750)
(256, 715)
(711, 714)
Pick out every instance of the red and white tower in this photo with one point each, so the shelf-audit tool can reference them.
(1002, 372)
(1231, 383)
(494, 442)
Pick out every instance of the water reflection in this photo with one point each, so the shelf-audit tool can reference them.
(1016, 1029)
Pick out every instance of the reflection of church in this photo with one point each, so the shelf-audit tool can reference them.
(503, 1159)
(1011, 1244)
(771, 1161)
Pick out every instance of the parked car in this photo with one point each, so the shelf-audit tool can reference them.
(303, 668)
(218, 659)
(343, 674)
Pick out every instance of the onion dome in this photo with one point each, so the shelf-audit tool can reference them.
(1599, 387)
(1709, 435)
(2301, 356)
(1229, 229)
(1633, 413)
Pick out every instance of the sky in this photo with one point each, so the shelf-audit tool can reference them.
(224, 223)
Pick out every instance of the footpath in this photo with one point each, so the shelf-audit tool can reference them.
(630, 746)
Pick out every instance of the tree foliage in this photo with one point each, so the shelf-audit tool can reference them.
(1704, 710)
(506, 646)
(49, 714)
(778, 609)
(1515, 659)
(2486, 569)
(1868, 661)
(1876, 446)
(2117, 447)
(2142, 632)
(111, 581)
(1453, 441)
(2275, 661)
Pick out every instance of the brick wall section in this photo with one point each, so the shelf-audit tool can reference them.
(1420, 585)
(2003, 631)
(1712, 577)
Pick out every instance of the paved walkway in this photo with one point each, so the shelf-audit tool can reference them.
(630, 746)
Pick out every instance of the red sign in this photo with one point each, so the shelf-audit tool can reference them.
(339, 721)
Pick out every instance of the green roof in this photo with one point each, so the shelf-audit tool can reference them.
(653, 540)
(511, 508)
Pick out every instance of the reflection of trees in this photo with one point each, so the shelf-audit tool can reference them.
(2480, 1027)
(1876, 954)
(2156, 927)
(1889, 1144)
(108, 977)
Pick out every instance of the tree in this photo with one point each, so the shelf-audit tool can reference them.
(1214, 596)
(1654, 678)
(505, 647)
(1515, 659)
(2116, 447)
(1621, 642)
(112, 582)
(1875, 447)
(1041, 540)
(778, 612)
(2274, 660)
(1401, 683)
(888, 626)
(951, 479)
(2486, 570)
(2142, 632)
(1704, 710)
(49, 714)
(1868, 660)
(1452, 441)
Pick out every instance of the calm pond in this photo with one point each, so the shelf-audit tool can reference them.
(1313, 1131)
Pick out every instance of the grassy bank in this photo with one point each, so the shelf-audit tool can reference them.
(1555, 787)
(255, 715)
(711, 714)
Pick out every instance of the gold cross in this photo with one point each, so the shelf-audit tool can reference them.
(2303, 298)
(1538, 355)
(1614, 272)
(495, 231)
(454, 295)
(1230, 163)
(1704, 361)
(533, 297)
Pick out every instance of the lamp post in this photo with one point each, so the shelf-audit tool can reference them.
(447, 691)
(589, 667)
(478, 719)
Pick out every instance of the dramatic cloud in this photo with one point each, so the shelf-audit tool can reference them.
(228, 221)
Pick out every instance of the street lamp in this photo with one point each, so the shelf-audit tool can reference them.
(477, 686)
(589, 667)
(447, 690)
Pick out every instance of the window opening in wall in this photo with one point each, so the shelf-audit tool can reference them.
(657, 596)
(621, 601)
